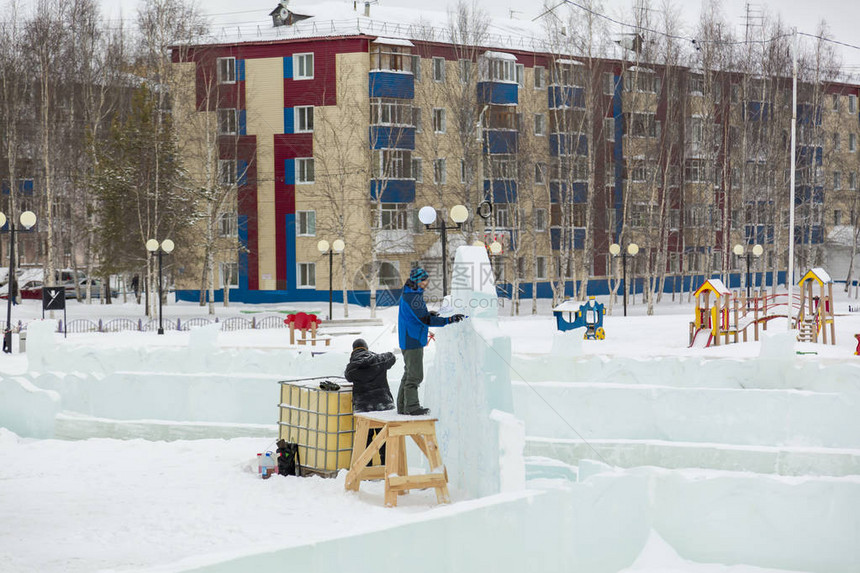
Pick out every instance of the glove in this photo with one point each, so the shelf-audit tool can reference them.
(434, 313)
(455, 318)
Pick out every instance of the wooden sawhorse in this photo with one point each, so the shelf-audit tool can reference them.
(393, 429)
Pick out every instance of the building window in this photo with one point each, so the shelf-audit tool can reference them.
(837, 217)
(438, 69)
(540, 268)
(837, 142)
(439, 119)
(416, 119)
(228, 122)
(540, 77)
(837, 180)
(736, 93)
(392, 216)
(835, 102)
(227, 225)
(697, 84)
(520, 70)
(416, 68)
(226, 70)
(464, 171)
(304, 119)
(641, 81)
(608, 83)
(540, 173)
(609, 128)
(501, 166)
(852, 181)
(498, 70)
(395, 58)
(389, 111)
(540, 220)
(303, 66)
(227, 171)
(418, 169)
(305, 170)
(229, 275)
(641, 124)
(307, 275)
(852, 142)
(465, 71)
(392, 164)
(306, 223)
(439, 171)
(540, 124)
(852, 104)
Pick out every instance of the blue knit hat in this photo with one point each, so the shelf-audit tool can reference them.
(417, 275)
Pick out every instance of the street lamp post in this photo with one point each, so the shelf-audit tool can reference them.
(615, 250)
(427, 215)
(153, 247)
(757, 250)
(336, 247)
(27, 219)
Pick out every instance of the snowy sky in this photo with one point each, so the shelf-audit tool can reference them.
(841, 15)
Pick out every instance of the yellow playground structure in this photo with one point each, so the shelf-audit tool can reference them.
(724, 316)
(816, 309)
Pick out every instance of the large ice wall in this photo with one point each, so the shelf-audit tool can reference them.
(602, 524)
(469, 379)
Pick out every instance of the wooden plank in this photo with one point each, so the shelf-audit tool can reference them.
(392, 464)
(371, 472)
(409, 428)
(421, 443)
(418, 481)
(352, 481)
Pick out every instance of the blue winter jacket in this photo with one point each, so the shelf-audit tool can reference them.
(414, 319)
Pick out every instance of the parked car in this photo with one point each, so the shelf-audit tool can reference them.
(29, 289)
(98, 288)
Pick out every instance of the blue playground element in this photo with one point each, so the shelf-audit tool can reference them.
(589, 315)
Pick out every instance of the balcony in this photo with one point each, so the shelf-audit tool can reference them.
(393, 241)
(392, 84)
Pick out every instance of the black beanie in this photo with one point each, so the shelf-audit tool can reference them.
(359, 343)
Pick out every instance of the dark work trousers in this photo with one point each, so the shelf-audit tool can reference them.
(413, 375)
(372, 434)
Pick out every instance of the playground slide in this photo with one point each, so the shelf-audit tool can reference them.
(701, 339)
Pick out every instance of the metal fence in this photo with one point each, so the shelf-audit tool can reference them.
(78, 325)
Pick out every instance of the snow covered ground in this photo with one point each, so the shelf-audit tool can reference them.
(736, 459)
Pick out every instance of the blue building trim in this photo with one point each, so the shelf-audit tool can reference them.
(498, 93)
(503, 190)
(567, 144)
(393, 190)
(565, 96)
(289, 171)
(289, 120)
(391, 137)
(390, 297)
(391, 84)
(288, 68)
(243, 122)
(241, 172)
(240, 70)
(500, 141)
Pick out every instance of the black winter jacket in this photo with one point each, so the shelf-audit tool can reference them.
(368, 373)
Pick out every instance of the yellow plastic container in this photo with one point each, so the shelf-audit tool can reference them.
(319, 421)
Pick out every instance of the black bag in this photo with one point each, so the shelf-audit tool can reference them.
(288, 459)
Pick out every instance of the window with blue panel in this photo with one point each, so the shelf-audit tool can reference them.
(392, 137)
(501, 141)
(391, 85)
(392, 190)
(498, 93)
(503, 190)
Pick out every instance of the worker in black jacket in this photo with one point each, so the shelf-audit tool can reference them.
(368, 373)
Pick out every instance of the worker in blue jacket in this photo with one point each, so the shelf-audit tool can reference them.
(413, 326)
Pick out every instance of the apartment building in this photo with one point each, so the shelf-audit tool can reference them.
(331, 131)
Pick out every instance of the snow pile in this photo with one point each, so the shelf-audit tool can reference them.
(469, 379)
